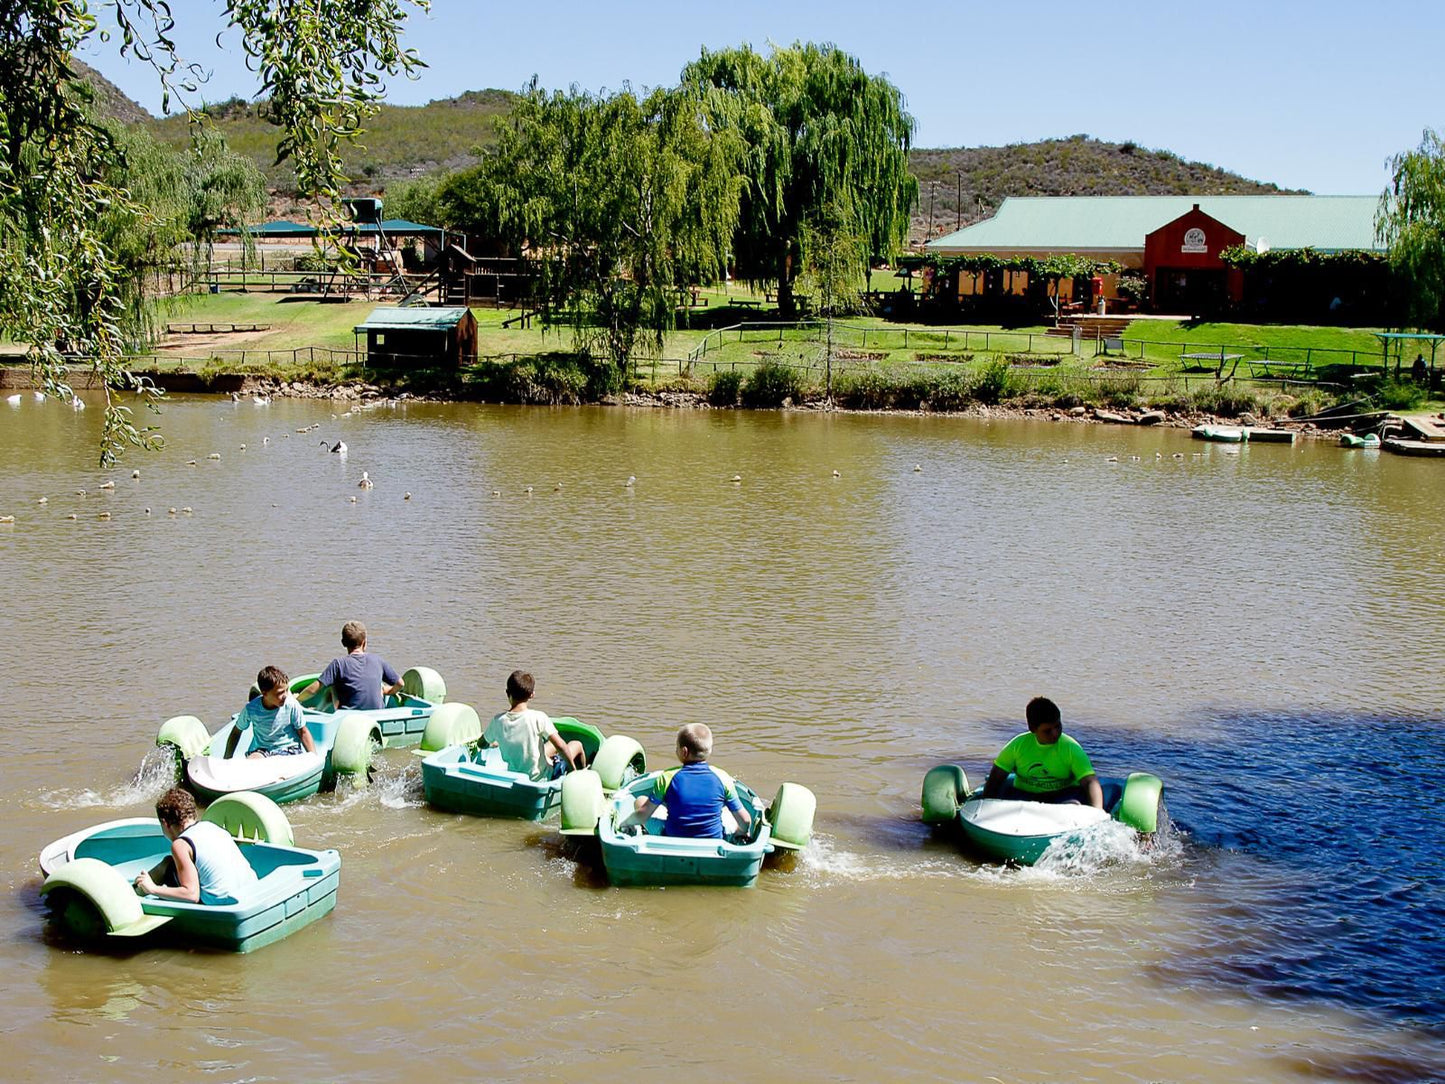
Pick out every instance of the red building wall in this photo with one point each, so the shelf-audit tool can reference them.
(1176, 246)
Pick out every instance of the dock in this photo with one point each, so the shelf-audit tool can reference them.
(1400, 446)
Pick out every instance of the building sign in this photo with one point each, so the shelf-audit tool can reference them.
(1194, 241)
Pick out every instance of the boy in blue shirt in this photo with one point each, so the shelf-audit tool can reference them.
(275, 716)
(695, 793)
(1047, 764)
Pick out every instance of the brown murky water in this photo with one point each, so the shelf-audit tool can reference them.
(845, 633)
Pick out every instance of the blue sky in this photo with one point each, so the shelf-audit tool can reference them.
(1309, 95)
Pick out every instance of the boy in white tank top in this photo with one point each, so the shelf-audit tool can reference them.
(204, 866)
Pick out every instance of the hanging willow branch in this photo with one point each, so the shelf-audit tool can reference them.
(62, 174)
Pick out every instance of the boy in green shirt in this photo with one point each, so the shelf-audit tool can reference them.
(1047, 765)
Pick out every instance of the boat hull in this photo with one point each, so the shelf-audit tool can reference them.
(459, 780)
(1020, 832)
(282, 779)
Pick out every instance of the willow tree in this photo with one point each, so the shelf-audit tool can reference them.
(618, 202)
(1411, 221)
(63, 291)
(820, 132)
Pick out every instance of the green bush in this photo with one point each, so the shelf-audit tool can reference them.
(1398, 395)
(772, 382)
(542, 378)
(993, 382)
(724, 387)
(873, 388)
(1226, 400)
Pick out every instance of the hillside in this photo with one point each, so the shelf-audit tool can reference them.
(1076, 166)
(402, 142)
(109, 98)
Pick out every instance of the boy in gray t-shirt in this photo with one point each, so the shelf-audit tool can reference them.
(356, 681)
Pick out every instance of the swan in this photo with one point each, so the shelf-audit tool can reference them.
(135, 474)
(103, 515)
(77, 403)
(7, 519)
(40, 397)
(365, 482)
(406, 496)
(737, 479)
(529, 491)
(214, 455)
(107, 485)
(43, 500)
(918, 468)
(631, 481)
(13, 400)
(261, 400)
(837, 475)
(339, 448)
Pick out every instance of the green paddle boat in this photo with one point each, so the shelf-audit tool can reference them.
(344, 746)
(1008, 830)
(638, 852)
(465, 778)
(89, 879)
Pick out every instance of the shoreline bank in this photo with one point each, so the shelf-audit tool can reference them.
(14, 378)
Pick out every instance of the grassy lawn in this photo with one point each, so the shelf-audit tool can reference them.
(726, 335)
(1162, 341)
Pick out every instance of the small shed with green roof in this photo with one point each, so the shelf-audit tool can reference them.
(419, 338)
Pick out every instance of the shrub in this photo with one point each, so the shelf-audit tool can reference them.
(772, 382)
(1310, 401)
(992, 382)
(1398, 395)
(1226, 400)
(542, 378)
(951, 389)
(724, 387)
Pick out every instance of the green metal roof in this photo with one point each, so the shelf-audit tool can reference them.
(1095, 223)
(412, 319)
(394, 227)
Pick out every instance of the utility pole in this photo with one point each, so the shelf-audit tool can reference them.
(959, 203)
(932, 190)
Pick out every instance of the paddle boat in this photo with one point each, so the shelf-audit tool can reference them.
(1009, 830)
(463, 777)
(345, 744)
(1225, 434)
(1367, 440)
(90, 874)
(638, 852)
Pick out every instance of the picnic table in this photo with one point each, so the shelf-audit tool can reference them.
(1276, 369)
(1219, 357)
(745, 302)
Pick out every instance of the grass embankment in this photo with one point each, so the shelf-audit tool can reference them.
(876, 364)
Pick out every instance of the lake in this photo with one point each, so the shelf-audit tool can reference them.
(1258, 626)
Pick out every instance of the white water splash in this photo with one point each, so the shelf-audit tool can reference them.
(156, 775)
(823, 860)
(392, 787)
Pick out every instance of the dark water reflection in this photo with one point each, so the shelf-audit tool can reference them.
(1318, 852)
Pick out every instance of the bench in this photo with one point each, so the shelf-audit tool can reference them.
(1109, 344)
